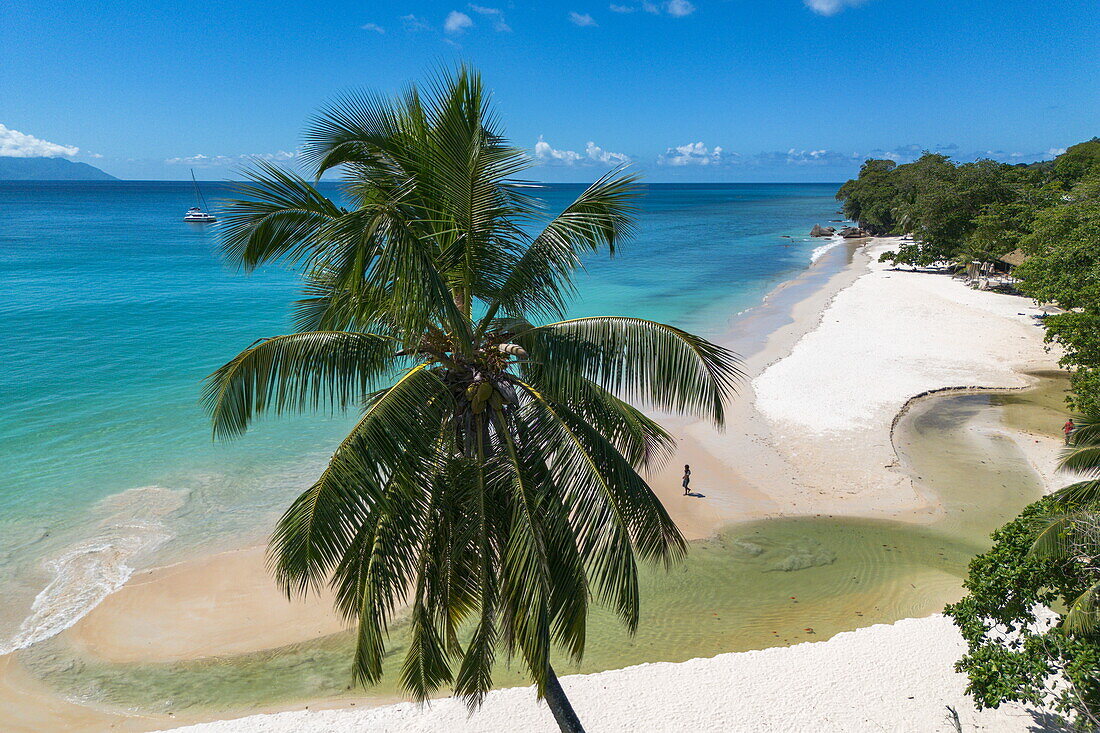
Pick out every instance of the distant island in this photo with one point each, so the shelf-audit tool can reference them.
(49, 169)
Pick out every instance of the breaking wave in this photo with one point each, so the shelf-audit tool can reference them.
(833, 242)
(89, 571)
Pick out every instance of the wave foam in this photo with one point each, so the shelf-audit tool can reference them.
(91, 570)
(817, 252)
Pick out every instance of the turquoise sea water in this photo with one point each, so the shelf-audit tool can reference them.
(114, 309)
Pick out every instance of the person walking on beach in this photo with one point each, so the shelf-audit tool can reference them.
(1067, 429)
(687, 479)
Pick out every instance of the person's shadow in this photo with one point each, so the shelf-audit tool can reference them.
(696, 494)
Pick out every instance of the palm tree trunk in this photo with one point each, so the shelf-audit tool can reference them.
(567, 719)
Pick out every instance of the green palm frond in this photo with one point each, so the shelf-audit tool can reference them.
(1082, 493)
(640, 440)
(357, 129)
(364, 519)
(280, 216)
(1083, 453)
(326, 306)
(1058, 534)
(486, 520)
(615, 513)
(664, 366)
(1084, 613)
(391, 447)
(301, 371)
(541, 278)
(1073, 537)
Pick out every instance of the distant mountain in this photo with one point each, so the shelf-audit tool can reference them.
(49, 169)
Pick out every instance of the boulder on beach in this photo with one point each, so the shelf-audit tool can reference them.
(820, 231)
(853, 233)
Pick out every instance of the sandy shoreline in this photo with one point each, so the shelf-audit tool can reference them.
(810, 434)
(836, 685)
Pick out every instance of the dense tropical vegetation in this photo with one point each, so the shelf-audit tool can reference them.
(958, 213)
(493, 482)
(1048, 557)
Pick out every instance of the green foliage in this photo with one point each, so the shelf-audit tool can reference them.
(1080, 161)
(869, 199)
(1064, 268)
(1003, 587)
(1085, 383)
(1045, 557)
(493, 481)
(1064, 245)
(949, 208)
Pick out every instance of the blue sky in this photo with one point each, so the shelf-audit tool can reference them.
(688, 90)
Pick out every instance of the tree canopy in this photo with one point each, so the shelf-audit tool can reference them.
(1018, 648)
(1014, 654)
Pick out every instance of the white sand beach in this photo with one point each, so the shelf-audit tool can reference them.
(890, 336)
(881, 678)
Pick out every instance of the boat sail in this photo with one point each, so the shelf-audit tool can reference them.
(198, 214)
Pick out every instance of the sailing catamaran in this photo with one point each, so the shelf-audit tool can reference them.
(198, 213)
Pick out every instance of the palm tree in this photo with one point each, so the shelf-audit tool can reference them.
(1082, 455)
(492, 483)
(1073, 535)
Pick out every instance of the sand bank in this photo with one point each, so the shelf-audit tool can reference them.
(891, 335)
(143, 622)
(881, 678)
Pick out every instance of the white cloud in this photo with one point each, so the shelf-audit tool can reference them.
(15, 144)
(457, 22)
(698, 153)
(692, 154)
(213, 161)
(1055, 152)
(675, 8)
(581, 19)
(831, 7)
(494, 14)
(596, 153)
(413, 24)
(373, 27)
(679, 8)
(593, 155)
(820, 157)
(544, 152)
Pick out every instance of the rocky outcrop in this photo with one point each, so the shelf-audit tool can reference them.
(853, 233)
(820, 231)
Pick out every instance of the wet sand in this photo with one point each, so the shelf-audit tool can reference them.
(145, 623)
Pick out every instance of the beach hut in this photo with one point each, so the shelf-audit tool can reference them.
(1012, 260)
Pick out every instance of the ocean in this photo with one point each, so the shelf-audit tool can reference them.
(114, 310)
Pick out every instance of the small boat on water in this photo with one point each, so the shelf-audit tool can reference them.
(197, 214)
